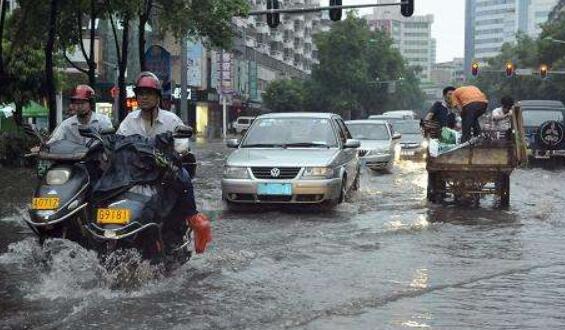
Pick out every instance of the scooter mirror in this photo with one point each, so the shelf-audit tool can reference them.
(182, 131)
(28, 129)
(86, 131)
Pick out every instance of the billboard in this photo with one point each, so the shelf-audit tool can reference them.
(194, 59)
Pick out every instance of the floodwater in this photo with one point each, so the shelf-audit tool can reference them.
(385, 259)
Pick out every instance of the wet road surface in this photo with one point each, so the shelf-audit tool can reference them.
(385, 259)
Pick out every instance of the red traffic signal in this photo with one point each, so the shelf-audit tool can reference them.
(543, 71)
(273, 20)
(335, 14)
(407, 8)
(475, 69)
(509, 69)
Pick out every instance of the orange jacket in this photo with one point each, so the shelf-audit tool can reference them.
(467, 94)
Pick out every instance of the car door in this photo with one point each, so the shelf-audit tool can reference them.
(349, 156)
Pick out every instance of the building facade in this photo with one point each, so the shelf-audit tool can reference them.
(411, 36)
(491, 23)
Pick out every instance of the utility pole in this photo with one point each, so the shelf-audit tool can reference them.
(183, 80)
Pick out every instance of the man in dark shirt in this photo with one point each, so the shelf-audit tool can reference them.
(440, 110)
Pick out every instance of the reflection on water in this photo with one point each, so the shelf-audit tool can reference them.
(384, 259)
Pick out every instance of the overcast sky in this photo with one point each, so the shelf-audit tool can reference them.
(448, 27)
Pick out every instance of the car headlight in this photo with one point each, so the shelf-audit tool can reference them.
(235, 172)
(57, 176)
(375, 152)
(318, 172)
(425, 144)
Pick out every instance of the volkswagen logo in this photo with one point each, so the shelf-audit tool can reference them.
(551, 133)
(275, 172)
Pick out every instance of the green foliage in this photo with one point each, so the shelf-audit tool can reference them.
(209, 19)
(351, 78)
(285, 96)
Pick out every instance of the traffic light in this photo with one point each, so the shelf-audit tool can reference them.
(543, 71)
(335, 14)
(407, 8)
(273, 20)
(509, 70)
(475, 69)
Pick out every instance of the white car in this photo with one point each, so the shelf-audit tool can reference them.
(242, 124)
(379, 144)
(404, 114)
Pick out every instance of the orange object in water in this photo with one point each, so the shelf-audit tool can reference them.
(202, 230)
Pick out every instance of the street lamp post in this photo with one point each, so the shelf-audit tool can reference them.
(557, 41)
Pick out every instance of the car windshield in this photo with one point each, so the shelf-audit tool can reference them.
(407, 127)
(368, 131)
(289, 132)
(538, 117)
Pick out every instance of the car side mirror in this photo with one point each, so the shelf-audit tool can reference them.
(232, 143)
(182, 132)
(352, 144)
(396, 136)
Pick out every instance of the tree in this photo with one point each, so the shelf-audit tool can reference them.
(285, 96)
(356, 67)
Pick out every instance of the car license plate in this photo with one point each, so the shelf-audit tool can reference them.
(113, 216)
(45, 203)
(284, 189)
(408, 153)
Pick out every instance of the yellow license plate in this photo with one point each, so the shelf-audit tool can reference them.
(113, 216)
(45, 203)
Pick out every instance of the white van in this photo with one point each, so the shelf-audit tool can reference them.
(403, 114)
(242, 123)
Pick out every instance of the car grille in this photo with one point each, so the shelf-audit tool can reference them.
(410, 145)
(285, 173)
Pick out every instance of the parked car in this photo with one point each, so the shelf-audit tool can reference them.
(544, 124)
(298, 158)
(404, 114)
(379, 145)
(242, 124)
(388, 119)
(412, 143)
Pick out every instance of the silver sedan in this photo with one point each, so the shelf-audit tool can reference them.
(299, 158)
(379, 145)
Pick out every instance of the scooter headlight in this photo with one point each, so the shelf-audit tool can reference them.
(57, 176)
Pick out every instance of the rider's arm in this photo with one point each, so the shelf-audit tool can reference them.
(431, 112)
(58, 133)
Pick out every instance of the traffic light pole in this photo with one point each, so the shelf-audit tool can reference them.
(317, 9)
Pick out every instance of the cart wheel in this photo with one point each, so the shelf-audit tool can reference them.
(436, 188)
(430, 190)
(504, 189)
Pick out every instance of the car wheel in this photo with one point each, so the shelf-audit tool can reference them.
(343, 190)
(356, 183)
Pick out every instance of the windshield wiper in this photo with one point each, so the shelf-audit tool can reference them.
(306, 144)
(261, 145)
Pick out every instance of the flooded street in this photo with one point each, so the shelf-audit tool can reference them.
(385, 259)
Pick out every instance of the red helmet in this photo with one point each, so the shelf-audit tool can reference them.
(83, 92)
(148, 79)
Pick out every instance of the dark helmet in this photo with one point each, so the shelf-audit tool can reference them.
(148, 79)
(83, 92)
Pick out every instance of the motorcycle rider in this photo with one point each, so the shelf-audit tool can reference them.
(150, 121)
(82, 105)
